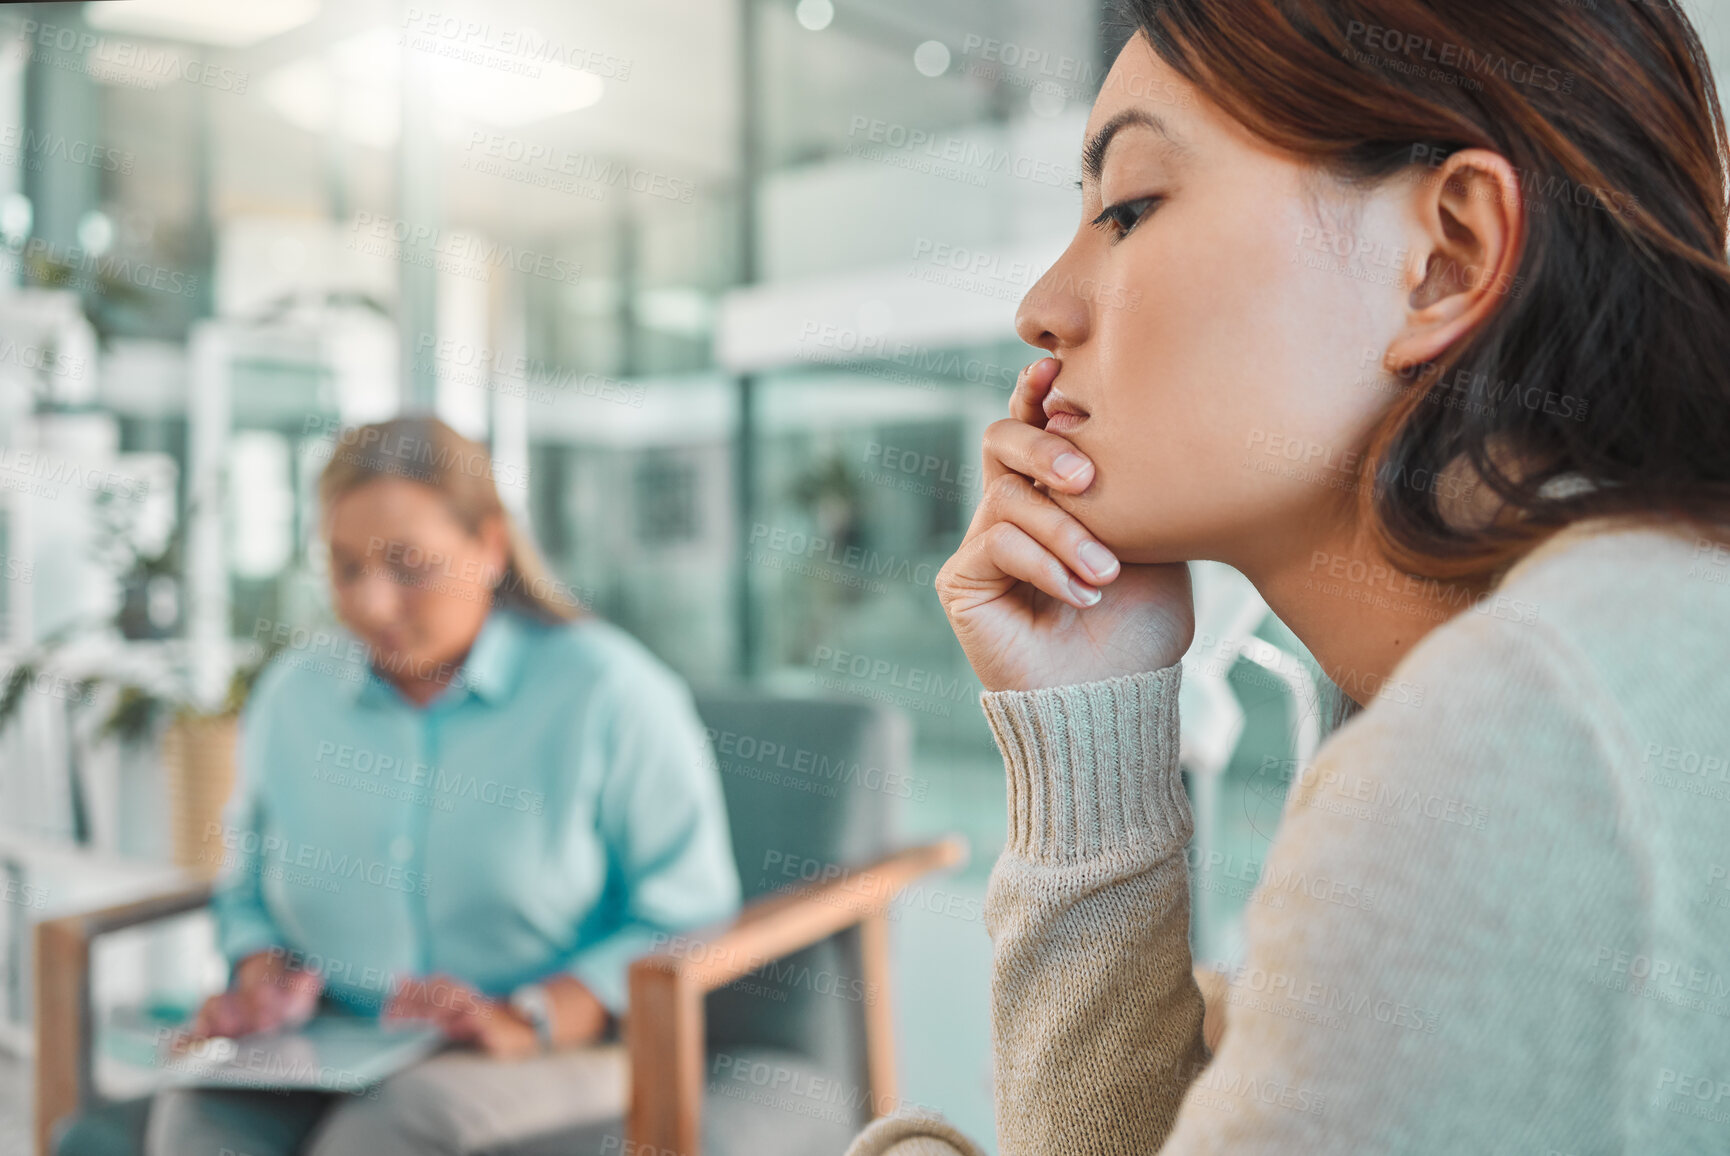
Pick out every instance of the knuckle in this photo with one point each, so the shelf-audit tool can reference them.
(999, 535)
(1006, 488)
(1051, 447)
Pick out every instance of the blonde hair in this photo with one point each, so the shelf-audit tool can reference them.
(424, 449)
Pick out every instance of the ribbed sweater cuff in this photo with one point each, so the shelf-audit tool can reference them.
(1093, 766)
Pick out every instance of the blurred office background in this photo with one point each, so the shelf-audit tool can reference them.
(727, 288)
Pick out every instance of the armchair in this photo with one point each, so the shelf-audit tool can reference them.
(687, 1003)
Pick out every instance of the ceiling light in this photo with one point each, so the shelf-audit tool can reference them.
(307, 95)
(931, 58)
(363, 76)
(815, 14)
(224, 22)
(96, 233)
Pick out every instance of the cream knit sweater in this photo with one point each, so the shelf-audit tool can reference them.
(1496, 917)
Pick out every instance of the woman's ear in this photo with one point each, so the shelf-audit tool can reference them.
(1469, 219)
(495, 539)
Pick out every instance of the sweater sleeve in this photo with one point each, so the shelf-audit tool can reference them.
(1097, 1020)
(1096, 1015)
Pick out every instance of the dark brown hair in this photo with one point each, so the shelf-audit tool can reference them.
(424, 449)
(1619, 320)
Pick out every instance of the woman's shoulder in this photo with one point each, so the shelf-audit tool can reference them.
(596, 672)
(597, 646)
(309, 669)
(1648, 551)
(1631, 593)
(1620, 618)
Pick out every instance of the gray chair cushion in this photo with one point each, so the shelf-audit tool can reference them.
(767, 1103)
(762, 1103)
(115, 1129)
(812, 785)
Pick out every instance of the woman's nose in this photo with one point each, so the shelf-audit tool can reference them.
(1055, 314)
(374, 598)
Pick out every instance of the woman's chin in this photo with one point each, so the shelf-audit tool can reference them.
(389, 653)
(1148, 546)
(1145, 556)
(1133, 540)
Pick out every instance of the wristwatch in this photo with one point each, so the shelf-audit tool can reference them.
(533, 1003)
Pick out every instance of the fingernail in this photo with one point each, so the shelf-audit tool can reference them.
(1087, 594)
(1069, 466)
(1097, 559)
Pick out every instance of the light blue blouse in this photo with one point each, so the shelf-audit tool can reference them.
(555, 809)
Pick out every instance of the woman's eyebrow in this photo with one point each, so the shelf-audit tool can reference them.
(1093, 155)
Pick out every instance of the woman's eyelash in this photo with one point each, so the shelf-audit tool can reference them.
(1125, 215)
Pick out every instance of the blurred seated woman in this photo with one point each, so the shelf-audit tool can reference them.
(475, 814)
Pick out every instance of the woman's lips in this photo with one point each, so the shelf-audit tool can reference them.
(1061, 414)
(384, 643)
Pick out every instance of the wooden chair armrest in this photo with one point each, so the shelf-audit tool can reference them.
(794, 917)
(664, 1028)
(65, 1080)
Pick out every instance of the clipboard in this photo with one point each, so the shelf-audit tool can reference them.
(329, 1053)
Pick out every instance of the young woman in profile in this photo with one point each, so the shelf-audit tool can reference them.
(1433, 345)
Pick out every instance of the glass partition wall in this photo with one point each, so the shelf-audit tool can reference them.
(727, 288)
(811, 356)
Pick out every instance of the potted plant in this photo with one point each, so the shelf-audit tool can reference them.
(195, 739)
(196, 743)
